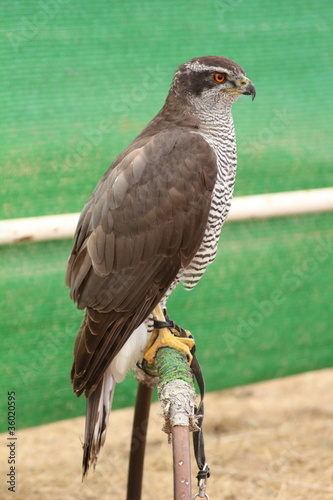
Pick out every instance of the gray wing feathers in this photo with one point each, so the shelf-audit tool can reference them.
(144, 221)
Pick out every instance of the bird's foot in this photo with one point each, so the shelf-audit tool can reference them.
(167, 334)
(165, 338)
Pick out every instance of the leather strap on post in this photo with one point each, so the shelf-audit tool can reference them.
(198, 438)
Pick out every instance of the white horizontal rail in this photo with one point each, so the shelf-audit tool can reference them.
(47, 227)
(281, 204)
(52, 227)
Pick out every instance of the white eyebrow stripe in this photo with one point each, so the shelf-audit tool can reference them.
(198, 67)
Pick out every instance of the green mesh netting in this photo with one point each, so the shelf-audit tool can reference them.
(78, 81)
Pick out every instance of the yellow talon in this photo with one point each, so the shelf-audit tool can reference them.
(164, 338)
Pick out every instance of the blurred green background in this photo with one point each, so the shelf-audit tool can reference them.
(78, 81)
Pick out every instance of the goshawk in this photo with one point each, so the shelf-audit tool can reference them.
(153, 220)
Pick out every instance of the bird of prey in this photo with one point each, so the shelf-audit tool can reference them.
(153, 220)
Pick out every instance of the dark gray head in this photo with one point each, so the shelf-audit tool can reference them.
(211, 80)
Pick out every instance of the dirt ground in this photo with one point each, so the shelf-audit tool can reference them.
(272, 440)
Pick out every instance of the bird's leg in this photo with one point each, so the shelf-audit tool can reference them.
(167, 336)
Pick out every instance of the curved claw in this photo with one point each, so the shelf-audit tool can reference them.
(165, 338)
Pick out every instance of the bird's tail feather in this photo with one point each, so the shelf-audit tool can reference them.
(97, 416)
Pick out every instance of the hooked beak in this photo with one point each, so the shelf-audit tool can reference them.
(246, 87)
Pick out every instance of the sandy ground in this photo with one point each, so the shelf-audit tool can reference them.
(272, 440)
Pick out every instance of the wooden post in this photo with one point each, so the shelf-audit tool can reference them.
(177, 396)
(138, 442)
(181, 463)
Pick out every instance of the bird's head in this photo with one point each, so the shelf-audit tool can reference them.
(210, 81)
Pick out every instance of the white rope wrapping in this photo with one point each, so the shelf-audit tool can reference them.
(178, 399)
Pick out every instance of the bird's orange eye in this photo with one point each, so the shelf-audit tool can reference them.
(219, 77)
